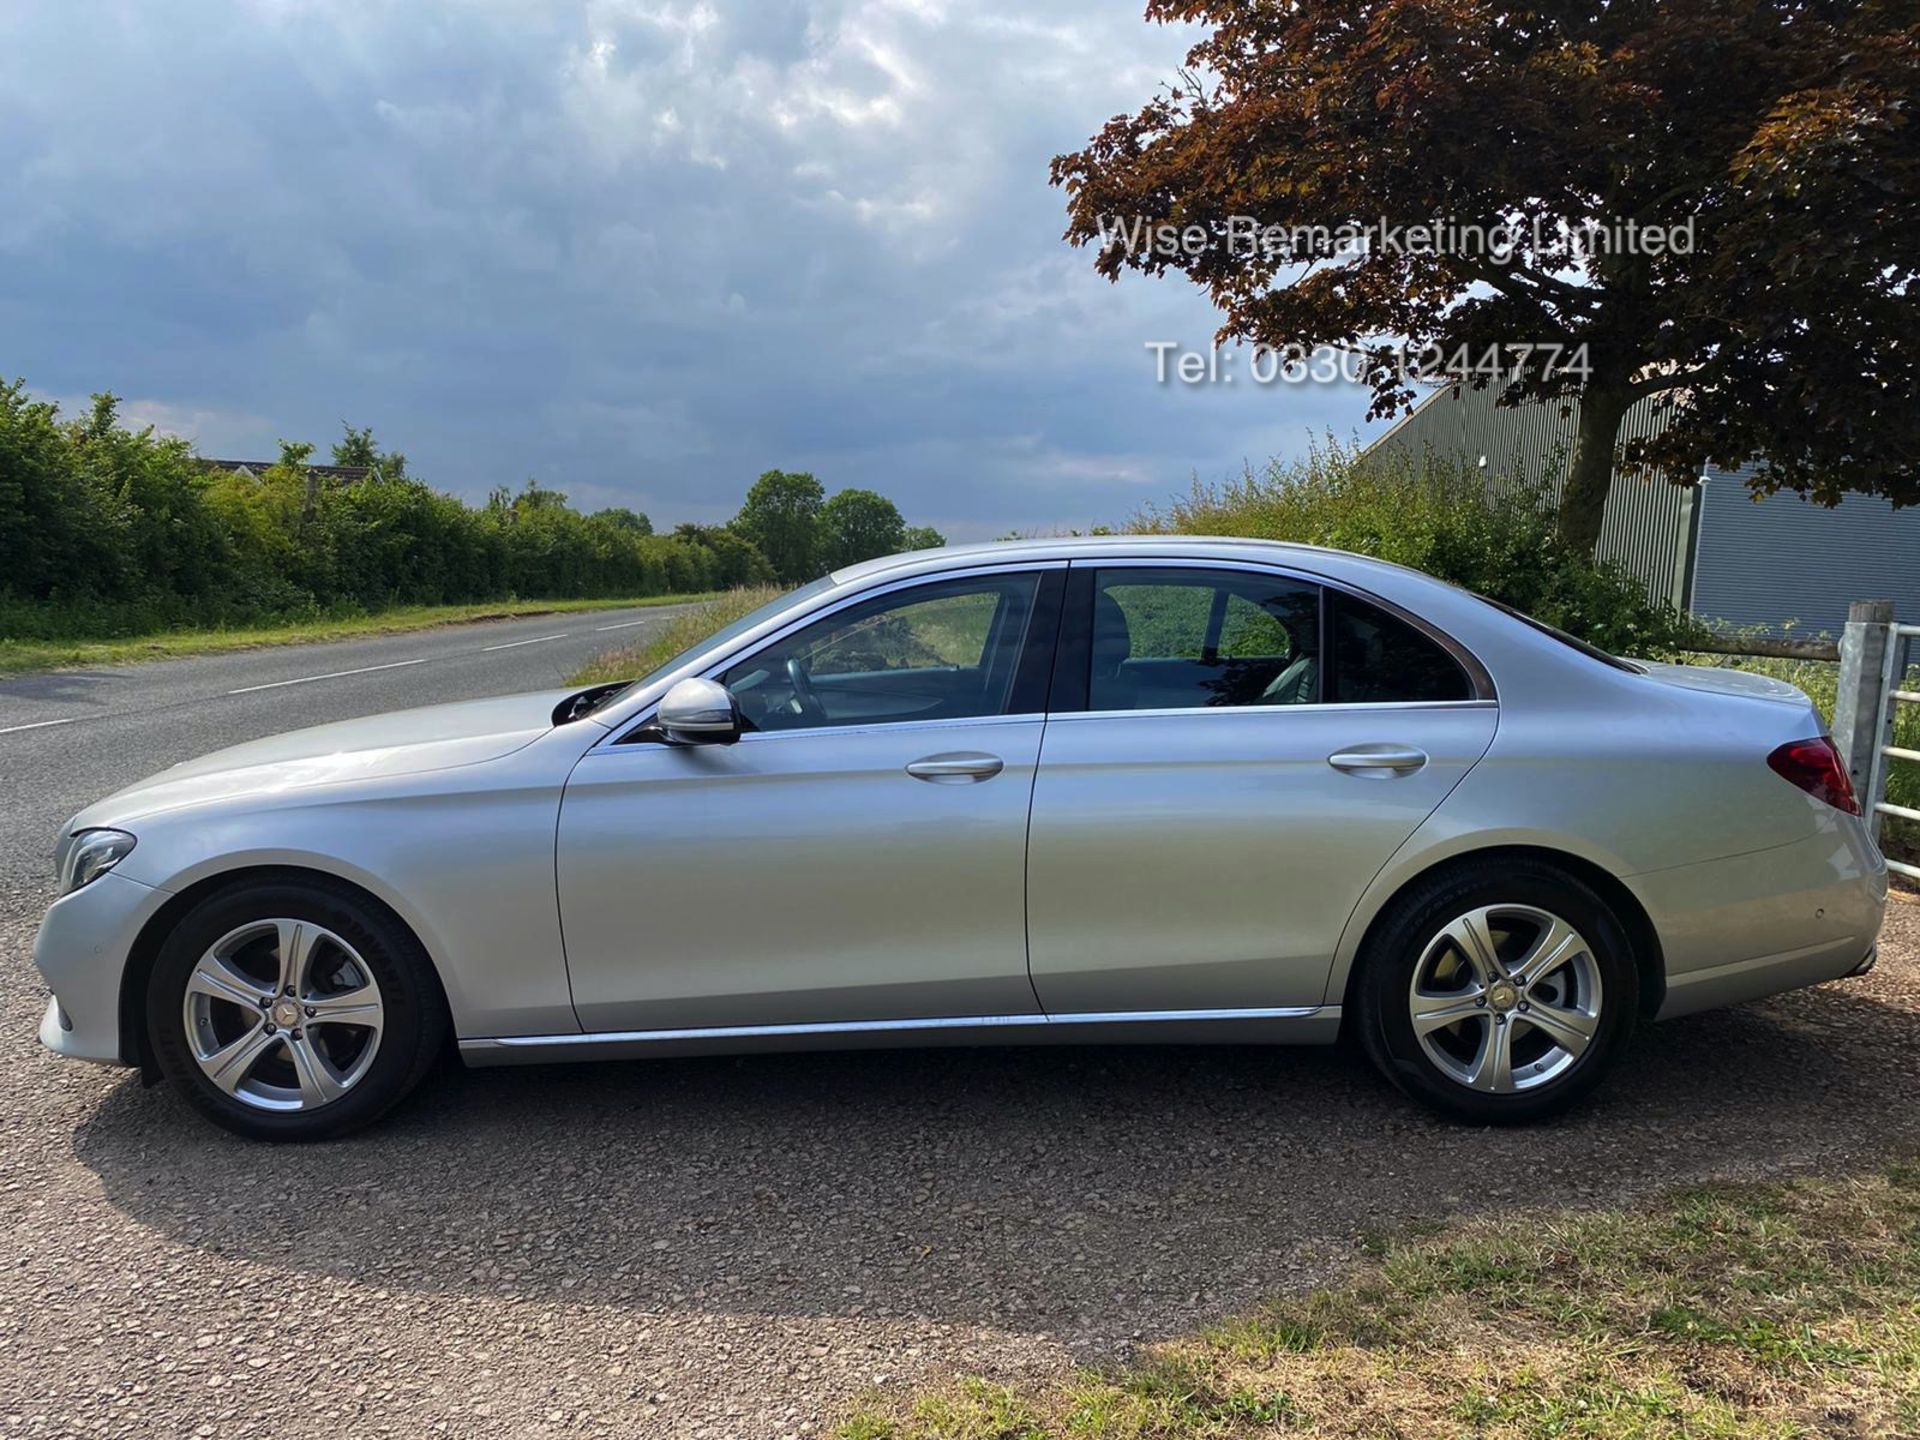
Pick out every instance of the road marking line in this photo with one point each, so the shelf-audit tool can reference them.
(331, 675)
(515, 644)
(41, 724)
(623, 625)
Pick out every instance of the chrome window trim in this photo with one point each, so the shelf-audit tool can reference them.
(618, 736)
(1344, 707)
(862, 1027)
(1478, 675)
(764, 737)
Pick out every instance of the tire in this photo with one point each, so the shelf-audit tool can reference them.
(1558, 1025)
(366, 1023)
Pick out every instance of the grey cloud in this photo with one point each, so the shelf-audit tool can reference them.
(641, 249)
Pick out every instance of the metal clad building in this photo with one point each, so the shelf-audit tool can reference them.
(1783, 560)
(1706, 547)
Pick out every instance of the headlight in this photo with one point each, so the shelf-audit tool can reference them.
(87, 856)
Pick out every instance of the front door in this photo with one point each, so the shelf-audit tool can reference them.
(1226, 769)
(858, 855)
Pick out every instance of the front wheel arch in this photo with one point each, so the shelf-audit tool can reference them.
(1648, 957)
(136, 1046)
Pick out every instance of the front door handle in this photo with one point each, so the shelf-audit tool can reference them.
(967, 767)
(1379, 762)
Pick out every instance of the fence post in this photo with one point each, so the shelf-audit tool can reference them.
(1859, 705)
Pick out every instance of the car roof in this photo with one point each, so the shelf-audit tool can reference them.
(1075, 547)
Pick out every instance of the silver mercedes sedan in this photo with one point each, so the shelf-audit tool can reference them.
(1104, 790)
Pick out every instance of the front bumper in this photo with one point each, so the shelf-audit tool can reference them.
(82, 951)
(1755, 925)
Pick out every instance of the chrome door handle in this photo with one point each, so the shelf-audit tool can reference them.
(968, 767)
(1379, 761)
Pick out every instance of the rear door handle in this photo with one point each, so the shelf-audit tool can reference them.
(1379, 761)
(960, 768)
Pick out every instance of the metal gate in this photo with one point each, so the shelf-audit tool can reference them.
(1893, 675)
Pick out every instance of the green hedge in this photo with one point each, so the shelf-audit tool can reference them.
(106, 531)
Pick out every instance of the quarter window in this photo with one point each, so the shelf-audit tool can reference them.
(1379, 658)
(944, 651)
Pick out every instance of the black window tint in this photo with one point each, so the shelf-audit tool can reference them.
(1177, 639)
(943, 651)
(1378, 657)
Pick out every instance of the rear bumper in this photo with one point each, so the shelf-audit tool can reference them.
(1755, 925)
(82, 951)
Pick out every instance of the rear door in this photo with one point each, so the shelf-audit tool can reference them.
(1231, 755)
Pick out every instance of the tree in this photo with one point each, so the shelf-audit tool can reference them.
(736, 560)
(294, 455)
(357, 447)
(858, 525)
(921, 537)
(1775, 138)
(621, 518)
(782, 517)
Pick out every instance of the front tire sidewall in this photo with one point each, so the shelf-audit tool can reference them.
(412, 1024)
(1395, 949)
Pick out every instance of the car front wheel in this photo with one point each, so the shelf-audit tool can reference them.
(293, 1009)
(1497, 993)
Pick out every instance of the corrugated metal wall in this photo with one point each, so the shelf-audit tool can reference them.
(1782, 560)
(1776, 563)
(1648, 520)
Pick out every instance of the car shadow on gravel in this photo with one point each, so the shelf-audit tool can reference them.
(1097, 1194)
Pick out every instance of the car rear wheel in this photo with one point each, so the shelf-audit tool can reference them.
(1497, 993)
(293, 1010)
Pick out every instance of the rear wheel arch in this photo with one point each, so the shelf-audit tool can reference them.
(1649, 959)
(136, 1046)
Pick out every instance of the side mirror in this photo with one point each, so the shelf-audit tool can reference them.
(698, 712)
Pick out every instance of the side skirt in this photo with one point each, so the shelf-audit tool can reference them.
(1311, 1025)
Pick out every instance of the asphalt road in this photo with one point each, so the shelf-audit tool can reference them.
(740, 1248)
(68, 737)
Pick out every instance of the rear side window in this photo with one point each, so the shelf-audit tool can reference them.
(1379, 658)
(1188, 639)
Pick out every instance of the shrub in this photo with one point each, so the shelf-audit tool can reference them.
(1440, 520)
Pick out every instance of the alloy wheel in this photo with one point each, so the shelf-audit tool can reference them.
(1506, 998)
(283, 1015)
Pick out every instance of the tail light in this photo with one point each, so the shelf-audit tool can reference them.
(1814, 765)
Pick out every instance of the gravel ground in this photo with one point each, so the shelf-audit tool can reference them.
(743, 1247)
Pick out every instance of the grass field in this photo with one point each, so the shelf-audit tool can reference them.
(1789, 1309)
(19, 655)
(632, 661)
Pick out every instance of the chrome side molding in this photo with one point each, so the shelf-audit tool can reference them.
(606, 1044)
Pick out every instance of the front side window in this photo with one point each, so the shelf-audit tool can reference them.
(739, 627)
(1193, 639)
(943, 651)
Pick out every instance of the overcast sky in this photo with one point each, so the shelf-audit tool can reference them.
(641, 249)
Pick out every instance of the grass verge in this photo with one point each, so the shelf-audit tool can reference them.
(22, 655)
(1787, 1309)
(630, 662)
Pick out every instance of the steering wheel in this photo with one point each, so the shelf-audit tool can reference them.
(804, 698)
